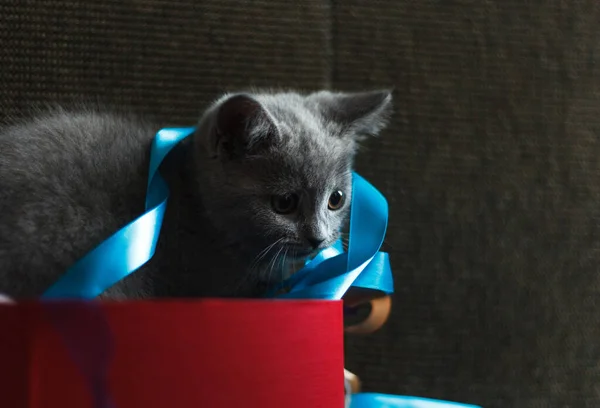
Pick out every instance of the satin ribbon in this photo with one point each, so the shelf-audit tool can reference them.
(373, 400)
(328, 276)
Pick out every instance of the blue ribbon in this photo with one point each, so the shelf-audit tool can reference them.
(373, 400)
(328, 276)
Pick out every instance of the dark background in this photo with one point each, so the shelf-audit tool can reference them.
(491, 164)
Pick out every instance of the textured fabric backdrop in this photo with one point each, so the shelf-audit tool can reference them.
(491, 164)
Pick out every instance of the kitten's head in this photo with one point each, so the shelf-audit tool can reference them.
(278, 167)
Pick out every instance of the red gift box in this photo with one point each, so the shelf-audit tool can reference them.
(176, 354)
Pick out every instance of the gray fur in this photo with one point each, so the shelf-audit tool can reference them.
(68, 180)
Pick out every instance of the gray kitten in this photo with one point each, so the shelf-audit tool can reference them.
(263, 183)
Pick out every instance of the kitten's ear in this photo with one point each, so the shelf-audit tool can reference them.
(359, 114)
(241, 126)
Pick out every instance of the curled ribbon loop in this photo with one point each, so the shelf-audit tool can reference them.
(333, 272)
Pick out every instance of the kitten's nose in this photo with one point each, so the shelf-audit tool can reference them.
(315, 242)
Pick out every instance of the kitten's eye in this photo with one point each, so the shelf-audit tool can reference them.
(336, 200)
(285, 204)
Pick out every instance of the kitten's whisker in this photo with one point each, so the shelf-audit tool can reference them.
(264, 253)
(273, 264)
(284, 267)
(249, 274)
(267, 248)
(345, 242)
(267, 271)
